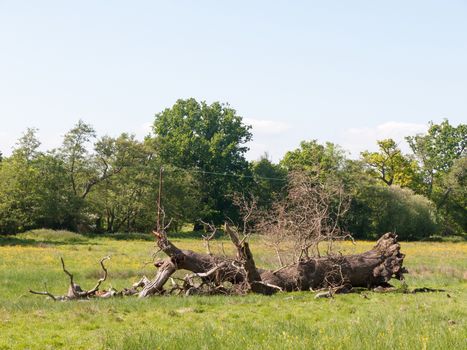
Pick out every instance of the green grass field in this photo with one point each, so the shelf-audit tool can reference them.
(284, 321)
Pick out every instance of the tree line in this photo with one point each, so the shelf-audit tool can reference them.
(108, 184)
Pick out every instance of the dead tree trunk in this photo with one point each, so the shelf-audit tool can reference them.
(370, 269)
(374, 268)
(227, 270)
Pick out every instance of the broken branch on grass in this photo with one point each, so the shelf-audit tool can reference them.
(74, 290)
(46, 292)
(102, 279)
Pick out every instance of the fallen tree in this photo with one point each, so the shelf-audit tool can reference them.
(371, 269)
(309, 217)
(238, 275)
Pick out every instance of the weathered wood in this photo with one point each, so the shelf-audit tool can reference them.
(74, 290)
(163, 274)
(226, 270)
(370, 269)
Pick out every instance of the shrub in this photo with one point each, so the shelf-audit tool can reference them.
(44, 235)
(392, 208)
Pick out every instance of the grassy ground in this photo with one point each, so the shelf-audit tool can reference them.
(283, 321)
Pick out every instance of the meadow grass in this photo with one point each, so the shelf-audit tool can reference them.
(284, 321)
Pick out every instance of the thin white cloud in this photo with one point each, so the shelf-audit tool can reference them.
(267, 127)
(357, 140)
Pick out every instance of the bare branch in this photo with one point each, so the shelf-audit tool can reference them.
(309, 215)
(207, 238)
(102, 279)
(72, 284)
(46, 292)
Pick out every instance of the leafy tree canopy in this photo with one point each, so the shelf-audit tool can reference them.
(438, 149)
(314, 157)
(390, 166)
(209, 139)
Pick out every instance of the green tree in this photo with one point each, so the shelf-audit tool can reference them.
(209, 140)
(88, 162)
(57, 202)
(328, 160)
(75, 155)
(390, 166)
(28, 145)
(32, 189)
(119, 182)
(452, 198)
(127, 200)
(19, 200)
(269, 181)
(437, 150)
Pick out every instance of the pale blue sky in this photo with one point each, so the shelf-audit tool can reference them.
(343, 71)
